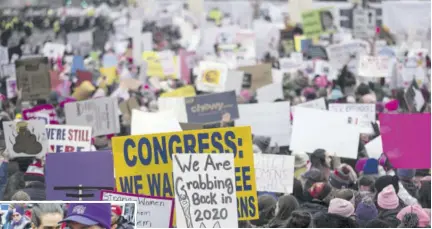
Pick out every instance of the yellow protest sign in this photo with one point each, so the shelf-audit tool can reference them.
(186, 91)
(84, 90)
(110, 74)
(155, 67)
(143, 163)
(318, 22)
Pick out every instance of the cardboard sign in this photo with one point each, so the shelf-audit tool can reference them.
(74, 176)
(25, 139)
(374, 66)
(364, 23)
(11, 88)
(101, 114)
(268, 119)
(212, 76)
(154, 170)
(152, 212)
(211, 107)
(364, 111)
(339, 54)
(412, 149)
(261, 74)
(210, 204)
(341, 136)
(33, 78)
(154, 122)
(62, 138)
(274, 173)
(317, 22)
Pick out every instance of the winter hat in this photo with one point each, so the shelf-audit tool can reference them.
(336, 94)
(300, 160)
(384, 181)
(345, 194)
(340, 178)
(392, 105)
(89, 214)
(366, 211)
(422, 216)
(321, 81)
(371, 167)
(18, 209)
(116, 210)
(341, 207)
(363, 89)
(320, 190)
(406, 174)
(387, 198)
(369, 98)
(35, 172)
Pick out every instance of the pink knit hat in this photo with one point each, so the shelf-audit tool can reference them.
(392, 105)
(423, 216)
(341, 207)
(387, 198)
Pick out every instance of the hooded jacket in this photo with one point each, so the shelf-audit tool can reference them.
(287, 204)
(314, 207)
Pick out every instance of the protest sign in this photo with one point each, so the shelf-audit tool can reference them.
(289, 64)
(364, 23)
(340, 54)
(152, 212)
(77, 64)
(317, 22)
(211, 107)
(4, 55)
(33, 78)
(186, 91)
(205, 193)
(83, 76)
(374, 66)
(366, 113)
(8, 70)
(341, 136)
(212, 76)
(154, 122)
(161, 64)
(151, 173)
(261, 74)
(53, 50)
(374, 148)
(101, 114)
(191, 126)
(74, 176)
(414, 98)
(286, 41)
(412, 149)
(62, 138)
(319, 104)
(268, 119)
(269, 93)
(274, 173)
(296, 7)
(234, 81)
(11, 88)
(25, 139)
(187, 62)
(40, 111)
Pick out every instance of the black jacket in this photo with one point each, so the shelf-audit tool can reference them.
(36, 190)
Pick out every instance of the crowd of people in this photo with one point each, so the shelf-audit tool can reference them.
(74, 215)
(329, 192)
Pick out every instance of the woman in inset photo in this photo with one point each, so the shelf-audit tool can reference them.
(327, 23)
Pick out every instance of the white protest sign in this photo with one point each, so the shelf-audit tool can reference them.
(152, 212)
(4, 55)
(11, 88)
(25, 138)
(332, 131)
(212, 76)
(289, 64)
(274, 173)
(63, 138)
(374, 66)
(101, 114)
(364, 23)
(374, 148)
(268, 119)
(8, 70)
(33, 78)
(270, 92)
(156, 122)
(339, 54)
(319, 104)
(53, 50)
(166, 59)
(211, 204)
(366, 113)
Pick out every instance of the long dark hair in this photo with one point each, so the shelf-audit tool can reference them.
(15, 182)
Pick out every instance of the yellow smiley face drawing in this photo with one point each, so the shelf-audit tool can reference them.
(211, 77)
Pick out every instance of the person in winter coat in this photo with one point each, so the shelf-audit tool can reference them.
(406, 178)
(318, 197)
(299, 219)
(329, 220)
(425, 194)
(18, 219)
(285, 206)
(8, 219)
(88, 215)
(35, 181)
(414, 216)
(117, 220)
(14, 183)
(389, 205)
(266, 208)
(46, 215)
(319, 171)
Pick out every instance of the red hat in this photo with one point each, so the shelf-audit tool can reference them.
(116, 209)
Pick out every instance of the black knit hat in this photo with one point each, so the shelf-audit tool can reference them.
(384, 181)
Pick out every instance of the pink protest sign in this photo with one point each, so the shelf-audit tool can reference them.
(406, 140)
(187, 62)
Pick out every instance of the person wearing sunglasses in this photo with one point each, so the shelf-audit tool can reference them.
(18, 219)
(88, 216)
(46, 216)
